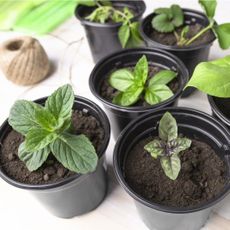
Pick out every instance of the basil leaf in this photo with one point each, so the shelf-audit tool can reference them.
(213, 77)
(76, 153)
(155, 148)
(121, 79)
(60, 102)
(209, 7)
(129, 97)
(223, 34)
(163, 77)
(178, 15)
(168, 127)
(166, 11)
(157, 93)
(22, 116)
(162, 23)
(171, 166)
(33, 160)
(37, 139)
(179, 144)
(128, 13)
(141, 71)
(123, 34)
(135, 39)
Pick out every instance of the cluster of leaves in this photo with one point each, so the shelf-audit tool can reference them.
(131, 84)
(213, 77)
(128, 33)
(47, 130)
(168, 146)
(169, 19)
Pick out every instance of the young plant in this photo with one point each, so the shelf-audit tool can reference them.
(128, 33)
(168, 146)
(169, 19)
(132, 84)
(47, 130)
(212, 77)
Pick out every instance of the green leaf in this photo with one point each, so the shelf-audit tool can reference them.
(166, 11)
(184, 32)
(22, 116)
(135, 39)
(209, 7)
(33, 160)
(37, 139)
(121, 79)
(178, 15)
(141, 71)
(76, 153)
(163, 77)
(162, 23)
(213, 77)
(223, 34)
(155, 148)
(129, 97)
(124, 34)
(128, 13)
(157, 93)
(179, 144)
(168, 127)
(60, 102)
(171, 166)
(86, 3)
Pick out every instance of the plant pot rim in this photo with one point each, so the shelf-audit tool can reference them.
(107, 25)
(130, 51)
(175, 48)
(163, 208)
(217, 111)
(103, 119)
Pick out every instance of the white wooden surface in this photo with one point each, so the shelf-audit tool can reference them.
(69, 52)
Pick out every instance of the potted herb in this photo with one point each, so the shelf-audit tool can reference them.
(111, 25)
(174, 162)
(135, 81)
(186, 33)
(213, 78)
(55, 148)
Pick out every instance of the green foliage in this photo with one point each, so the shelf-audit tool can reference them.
(168, 146)
(213, 77)
(223, 34)
(132, 84)
(209, 7)
(46, 130)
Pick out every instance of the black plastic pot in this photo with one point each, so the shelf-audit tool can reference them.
(221, 109)
(194, 124)
(77, 194)
(103, 38)
(120, 116)
(191, 56)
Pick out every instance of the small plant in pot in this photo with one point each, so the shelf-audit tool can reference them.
(213, 78)
(135, 81)
(111, 25)
(55, 148)
(186, 33)
(174, 162)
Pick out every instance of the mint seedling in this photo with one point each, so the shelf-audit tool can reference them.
(47, 130)
(168, 146)
(169, 19)
(132, 84)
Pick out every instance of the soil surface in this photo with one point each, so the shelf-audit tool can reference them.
(202, 176)
(170, 39)
(108, 92)
(51, 171)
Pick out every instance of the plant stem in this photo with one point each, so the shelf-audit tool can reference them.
(176, 35)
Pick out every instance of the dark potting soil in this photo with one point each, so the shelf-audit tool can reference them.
(108, 92)
(170, 39)
(202, 176)
(51, 171)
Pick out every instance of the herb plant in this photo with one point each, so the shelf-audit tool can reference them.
(169, 19)
(213, 77)
(47, 130)
(128, 33)
(168, 146)
(132, 84)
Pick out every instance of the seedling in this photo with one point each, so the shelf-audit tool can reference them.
(168, 146)
(170, 19)
(47, 130)
(213, 77)
(132, 84)
(128, 33)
